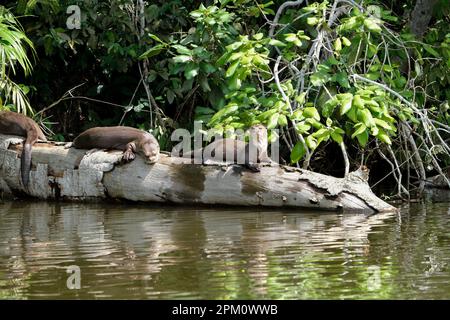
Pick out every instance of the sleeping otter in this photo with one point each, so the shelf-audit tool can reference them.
(127, 139)
(238, 151)
(17, 124)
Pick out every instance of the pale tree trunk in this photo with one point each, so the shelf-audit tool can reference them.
(70, 174)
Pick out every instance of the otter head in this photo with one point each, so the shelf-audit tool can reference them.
(149, 149)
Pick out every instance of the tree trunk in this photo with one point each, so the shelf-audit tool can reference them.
(70, 174)
(421, 16)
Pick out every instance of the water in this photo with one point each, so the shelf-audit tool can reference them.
(138, 252)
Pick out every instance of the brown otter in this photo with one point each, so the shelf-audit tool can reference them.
(17, 124)
(238, 151)
(127, 139)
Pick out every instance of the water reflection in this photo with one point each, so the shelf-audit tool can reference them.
(132, 251)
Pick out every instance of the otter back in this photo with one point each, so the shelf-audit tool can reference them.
(107, 137)
(19, 125)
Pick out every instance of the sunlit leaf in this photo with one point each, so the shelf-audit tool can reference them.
(311, 112)
(298, 152)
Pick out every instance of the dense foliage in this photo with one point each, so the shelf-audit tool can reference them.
(335, 77)
(13, 53)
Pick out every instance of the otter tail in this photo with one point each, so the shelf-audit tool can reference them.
(25, 165)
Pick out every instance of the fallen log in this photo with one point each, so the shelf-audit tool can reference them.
(71, 174)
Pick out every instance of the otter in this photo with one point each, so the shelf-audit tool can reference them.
(17, 124)
(127, 139)
(228, 149)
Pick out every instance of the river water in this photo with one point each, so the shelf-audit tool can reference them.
(128, 251)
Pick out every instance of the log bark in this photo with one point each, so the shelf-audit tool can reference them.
(71, 174)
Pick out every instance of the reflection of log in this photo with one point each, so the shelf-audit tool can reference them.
(69, 174)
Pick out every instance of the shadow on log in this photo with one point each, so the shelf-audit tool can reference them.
(69, 174)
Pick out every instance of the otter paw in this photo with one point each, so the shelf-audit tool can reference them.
(128, 156)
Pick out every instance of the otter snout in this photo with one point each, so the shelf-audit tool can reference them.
(152, 159)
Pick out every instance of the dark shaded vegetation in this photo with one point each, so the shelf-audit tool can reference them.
(346, 84)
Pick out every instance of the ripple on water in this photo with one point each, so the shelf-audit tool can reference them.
(135, 251)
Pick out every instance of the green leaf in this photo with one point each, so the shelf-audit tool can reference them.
(346, 42)
(266, 114)
(366, 116)
(235, 56)
(300, 98)
(312, 21)
(382, 136)
(311, 112)
(196, 14)
(358, 102)
(388, 68)
(25, 89)
(383, 124)
(360, 128)
(351, 114)
(223, 59)
(342, 79)
(311, 142)
(321, 133)
(282, 120)
(170, 96)
(345, 100)
(302, 127)
(204, 111)
(182, 59)
(182, 49)
(316, 124)
(329, 106)
(298, 43)
(205, 85)
(234, 45)
(290, 37)
(320, 78)
(338, 45)
(417, 68)
(258, 36)
(191, 71)
(337, 137)
(374, 131)
(207, 68)
(363, 138)
(154, 37)
(431, 51)
(232, 69)
(298, 152)
(350, 24)
(223, 112)
(152, 52)
(373, 76)
(371, 103)
(372, 25)
(187, 85)
(276, 43)
(235, 82)
(273, 121)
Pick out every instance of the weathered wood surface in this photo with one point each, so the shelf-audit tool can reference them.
(70, 174)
